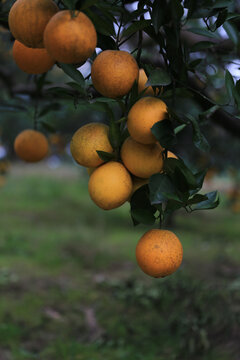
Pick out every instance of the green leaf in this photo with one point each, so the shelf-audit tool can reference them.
(76, 75)
(201, 45)
(103, 25)
(211, 202)
(182, 177)
(193, 64)
(70, 4)
(229, 83)
(160, 14)
(199, 176)
(197, 198)
(164, 133)
(105, 42)
(209, 112)
(50, 107)
(176, 9)
(141, 209)
(232, 32)
(11, 107)
(161, 189)
(105, 156)
(236, 94)
(222, 16)
(204, 32)
(134, 27)
(173, 205)
(179, 128)
(159, 77)
(87, 3)
(48, 126)
(198, 138)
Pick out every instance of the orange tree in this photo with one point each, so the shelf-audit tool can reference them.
(184, 49)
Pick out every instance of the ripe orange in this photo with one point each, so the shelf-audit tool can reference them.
(140, 159)
(31, 145)
(32, 61)
(114, 72)
(28, 19)
(110, 185)
(87, 140)
(69, 38)
(159, 253)
(142, 79)
(143, 115)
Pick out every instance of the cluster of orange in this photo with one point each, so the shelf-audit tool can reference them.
(47, 35)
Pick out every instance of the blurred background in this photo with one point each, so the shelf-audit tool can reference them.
(70, 286)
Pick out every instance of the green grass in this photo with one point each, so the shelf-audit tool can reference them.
(71, 290)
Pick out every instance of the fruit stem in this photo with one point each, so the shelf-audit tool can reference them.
(73, 13)
(121, 120)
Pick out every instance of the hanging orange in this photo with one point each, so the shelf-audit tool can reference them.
(70, 37)
(32, 61)
(28, 18)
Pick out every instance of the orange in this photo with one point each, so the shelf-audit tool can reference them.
(28, 19)
(110, 185)
(159, 253)
(70, 38)
(87, 140)
(137, 183)
(143, 115)
(114, 72)
(31, 145)
(140, 159)
(32, 61)
(142, 79)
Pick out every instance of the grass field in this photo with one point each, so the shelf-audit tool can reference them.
(71, 290)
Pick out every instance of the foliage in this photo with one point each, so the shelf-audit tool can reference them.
(177, 66)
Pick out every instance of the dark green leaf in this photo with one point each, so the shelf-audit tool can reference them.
(136, 26)
(222, 16)
(197, 198)
(50, 107)
(176, 9)
(211, 202)
(179, 128)
(141, 209)
(105, 156)
(236, 94)
(229, 83)
(182, 177)
(164, 133)
(232, 32)
(161, 189)
(70, 4)
(47, 126)
(201, 45)
(11, 107)
(193, 64)
(160, 14)
(173, 205)
(159, 77)
(87, 3)
(103, 25)
(198, 138)
(204, 32)
(76, 75)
